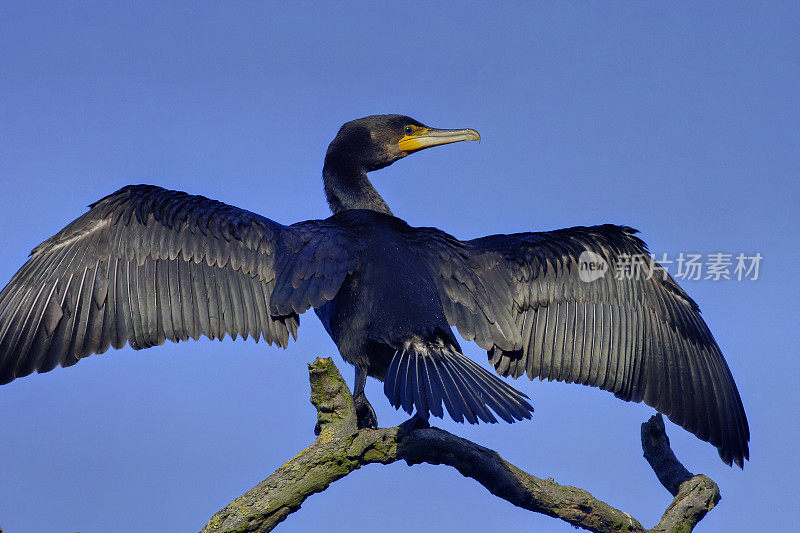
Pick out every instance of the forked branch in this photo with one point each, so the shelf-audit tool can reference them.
(342, 448)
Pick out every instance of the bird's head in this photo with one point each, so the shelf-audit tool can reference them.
(376, 141)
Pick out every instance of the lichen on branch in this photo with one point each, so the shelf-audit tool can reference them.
(341, 448)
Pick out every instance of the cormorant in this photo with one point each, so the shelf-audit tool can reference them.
(146, 264)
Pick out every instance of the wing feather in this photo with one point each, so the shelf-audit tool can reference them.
(145, 265)
(521, 297)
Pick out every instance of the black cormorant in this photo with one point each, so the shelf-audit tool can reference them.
(146, 264)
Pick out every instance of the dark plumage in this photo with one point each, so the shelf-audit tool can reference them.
(145, 264)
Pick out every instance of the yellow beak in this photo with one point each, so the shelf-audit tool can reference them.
(428, 137)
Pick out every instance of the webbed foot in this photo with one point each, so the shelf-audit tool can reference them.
(364, 412)
(415, 422)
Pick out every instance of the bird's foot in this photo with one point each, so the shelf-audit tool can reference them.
(364, 413)
(415, 422)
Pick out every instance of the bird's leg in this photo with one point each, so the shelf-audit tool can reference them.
(364, 412)
(415, 422)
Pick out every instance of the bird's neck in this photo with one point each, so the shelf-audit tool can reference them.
(347, 187)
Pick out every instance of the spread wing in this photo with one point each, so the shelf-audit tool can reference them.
(521, 297)
(145, 264)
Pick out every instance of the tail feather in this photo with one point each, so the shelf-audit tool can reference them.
(425, 376)
(433, 390)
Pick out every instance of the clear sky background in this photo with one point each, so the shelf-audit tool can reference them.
(676, 118)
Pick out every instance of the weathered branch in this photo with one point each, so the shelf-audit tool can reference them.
(342, 448)
(694, 495)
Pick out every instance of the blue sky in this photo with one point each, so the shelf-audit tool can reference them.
(677, 119)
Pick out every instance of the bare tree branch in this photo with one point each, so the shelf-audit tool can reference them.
(342, 448)
(694, 495)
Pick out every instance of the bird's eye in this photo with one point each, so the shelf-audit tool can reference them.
(409, 130)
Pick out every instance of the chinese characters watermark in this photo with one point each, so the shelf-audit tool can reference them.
(685, 266)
